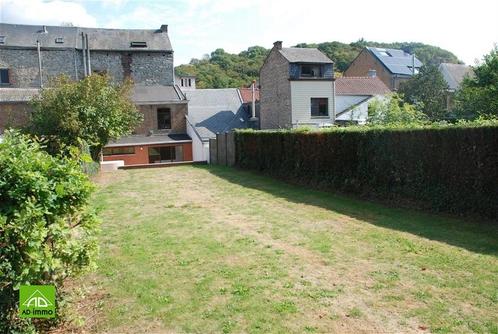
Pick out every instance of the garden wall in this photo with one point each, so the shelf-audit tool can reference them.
(451, 169)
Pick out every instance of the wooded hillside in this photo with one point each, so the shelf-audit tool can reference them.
(221, 69)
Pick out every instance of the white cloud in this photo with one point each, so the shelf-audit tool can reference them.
(45, 12)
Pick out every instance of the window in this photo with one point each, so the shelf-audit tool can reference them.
(59, 40)
(4, 76)
(165, 154)
(190, 82)
(2, 39)
(163, 118)
(138, 44)
(312, 71)
(319, 107)
(118, 150)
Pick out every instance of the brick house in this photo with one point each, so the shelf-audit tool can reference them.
(296, 88)
(392, 66)
(30, 55)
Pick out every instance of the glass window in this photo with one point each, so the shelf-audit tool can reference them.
(163, 118)
(165, 154)
(319, 106)
(118, 150)
(4, 76)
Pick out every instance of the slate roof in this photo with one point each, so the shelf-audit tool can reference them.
(213, 111)
(156, 94)
(246, 94)
(454, 74)
(25, 36)
(366, 86)
(149, 140)
(13, 95)
(305, 55)
(396, 61)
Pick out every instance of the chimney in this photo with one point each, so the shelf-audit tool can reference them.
(372, 73)
(164, 28)
(44, 30)
(278, 45)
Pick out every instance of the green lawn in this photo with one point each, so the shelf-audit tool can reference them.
(217, 250)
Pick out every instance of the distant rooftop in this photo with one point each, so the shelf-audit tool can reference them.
(246, 94)
(156, 94)
(25, 36)
(365, 86)
(454, 74)
(396, 61)
(215, 110)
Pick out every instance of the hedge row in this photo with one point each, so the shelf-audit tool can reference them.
(451, 169)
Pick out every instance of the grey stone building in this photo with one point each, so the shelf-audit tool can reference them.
(296, 88)
(31, 55)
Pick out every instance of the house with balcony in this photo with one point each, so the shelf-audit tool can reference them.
(296, 88)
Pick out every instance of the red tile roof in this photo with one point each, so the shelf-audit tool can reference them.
(246, 94)
(360, 86)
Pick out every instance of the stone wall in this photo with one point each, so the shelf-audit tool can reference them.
(275, 100)
(145, 68)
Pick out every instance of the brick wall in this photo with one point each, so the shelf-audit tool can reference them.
(365, 62)
(275, 102)
(178, 122)
(141, 155)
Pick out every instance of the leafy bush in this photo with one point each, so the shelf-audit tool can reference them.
(392, 110)
(444, 168)
(93, 110)
(47, 228)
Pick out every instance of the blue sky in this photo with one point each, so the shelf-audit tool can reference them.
(467, 28)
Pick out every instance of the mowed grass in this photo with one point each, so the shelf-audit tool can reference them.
(218, 250)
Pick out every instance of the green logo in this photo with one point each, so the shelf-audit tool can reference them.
(37, 301)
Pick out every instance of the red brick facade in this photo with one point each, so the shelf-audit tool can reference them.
(141, 155)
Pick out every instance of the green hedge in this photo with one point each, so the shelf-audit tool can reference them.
(452, 169)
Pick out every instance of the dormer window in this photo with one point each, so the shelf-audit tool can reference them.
(138, 44)
(311, 71)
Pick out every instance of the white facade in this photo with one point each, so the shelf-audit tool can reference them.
(200, 149)
(185, 82)
(302, 91)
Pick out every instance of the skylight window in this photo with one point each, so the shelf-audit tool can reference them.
(2, 39)
(138, 44)
(59, 40)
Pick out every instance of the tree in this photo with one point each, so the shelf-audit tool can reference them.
(392, 110)
(92, 110)
(47, 226)
(478, 94)
(427, 88)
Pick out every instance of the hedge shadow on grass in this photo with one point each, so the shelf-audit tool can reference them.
(475, 236)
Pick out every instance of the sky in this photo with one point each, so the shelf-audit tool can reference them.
(468, 28)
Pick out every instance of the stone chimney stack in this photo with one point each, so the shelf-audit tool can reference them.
(164, 28)
(278, 45)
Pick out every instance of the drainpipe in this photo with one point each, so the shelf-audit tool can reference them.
(84, 53)
(253, 106)
(38, 47)
(88, 56)
(333, 101)
(413, 63)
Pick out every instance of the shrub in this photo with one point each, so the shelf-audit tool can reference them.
(93, 110)
(445, 168)
(47, 228)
